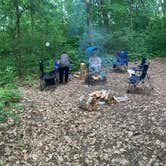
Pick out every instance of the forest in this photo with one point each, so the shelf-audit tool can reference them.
(34, 30)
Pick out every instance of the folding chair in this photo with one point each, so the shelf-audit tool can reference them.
(134, 79)
(122, 60)
(47, 78)
(139, 67)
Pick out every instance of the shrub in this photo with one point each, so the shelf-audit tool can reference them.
(8, 99)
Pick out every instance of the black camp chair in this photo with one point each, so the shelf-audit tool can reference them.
(47, 78)
(140, 66)
(134, 79)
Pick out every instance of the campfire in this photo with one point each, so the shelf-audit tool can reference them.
(95, 78)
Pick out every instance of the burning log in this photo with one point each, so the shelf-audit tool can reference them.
(95, 77)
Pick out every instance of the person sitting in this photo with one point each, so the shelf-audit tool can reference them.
(95, 63)
(64, 67)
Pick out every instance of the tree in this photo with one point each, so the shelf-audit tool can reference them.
(89, 20)
(18, 10)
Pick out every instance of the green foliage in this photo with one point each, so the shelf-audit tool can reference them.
(2, 162)
(138, 46)
(64, 25)
(157, 38)
(7, 75)
(8, 99)
(7, 71)
(121, 39)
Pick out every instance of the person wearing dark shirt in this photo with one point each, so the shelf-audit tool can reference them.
(64, 67)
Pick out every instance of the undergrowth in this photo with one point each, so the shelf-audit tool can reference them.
(9, 99)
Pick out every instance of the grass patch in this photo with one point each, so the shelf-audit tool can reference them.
(9, 99)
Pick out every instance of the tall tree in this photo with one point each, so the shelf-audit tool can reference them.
(131, 15)
(32, 15)
(18, 33)
(89, 20)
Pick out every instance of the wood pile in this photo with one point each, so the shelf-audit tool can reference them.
(90, 102)
(103, 94)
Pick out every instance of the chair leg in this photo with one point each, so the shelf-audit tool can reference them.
(128, 90)
(125, 67)
(148, 78)
(131, 87)
(42, 84)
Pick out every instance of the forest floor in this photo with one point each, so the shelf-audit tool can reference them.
(55, 131)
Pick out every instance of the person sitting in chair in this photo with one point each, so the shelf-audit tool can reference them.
(95, 63)
(56, 65)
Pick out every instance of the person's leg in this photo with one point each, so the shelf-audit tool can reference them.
(66, 74)
(61, 73)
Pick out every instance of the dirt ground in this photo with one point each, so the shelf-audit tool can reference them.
(55, 131)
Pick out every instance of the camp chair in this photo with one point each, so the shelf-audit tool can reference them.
(47, 78)
(134, 79)
(122, 60)
(139, 67)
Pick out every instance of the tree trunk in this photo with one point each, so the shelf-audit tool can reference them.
(32, 14)
(141, 3)
(163, 6)
(18, 34)
(105, 16)
(131, 16)
(89, 22)
(99, 15)
(62, 12)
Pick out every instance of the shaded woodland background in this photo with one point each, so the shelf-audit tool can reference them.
(48, 127)
(138, 26)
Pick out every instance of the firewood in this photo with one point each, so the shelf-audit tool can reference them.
(76, 76)
(95, 77)
(96, 93)
(107, 96)
(88, 103)
(103, 94)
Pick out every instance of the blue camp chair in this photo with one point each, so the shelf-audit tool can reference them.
(122, 60)
(134, 79)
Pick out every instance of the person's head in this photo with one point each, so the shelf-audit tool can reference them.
(57, 61)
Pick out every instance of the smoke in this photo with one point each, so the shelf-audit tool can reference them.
(98, 38)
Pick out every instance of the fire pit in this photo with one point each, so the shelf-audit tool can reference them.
(95, 74)
(95, 79)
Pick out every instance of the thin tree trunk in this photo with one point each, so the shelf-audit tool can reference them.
(89, 22)
(141, 3)
(32, 14)
(18, 32)
(105, 16)
(131, 16)
(99, 15)
(62, 12)
(163, 6)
